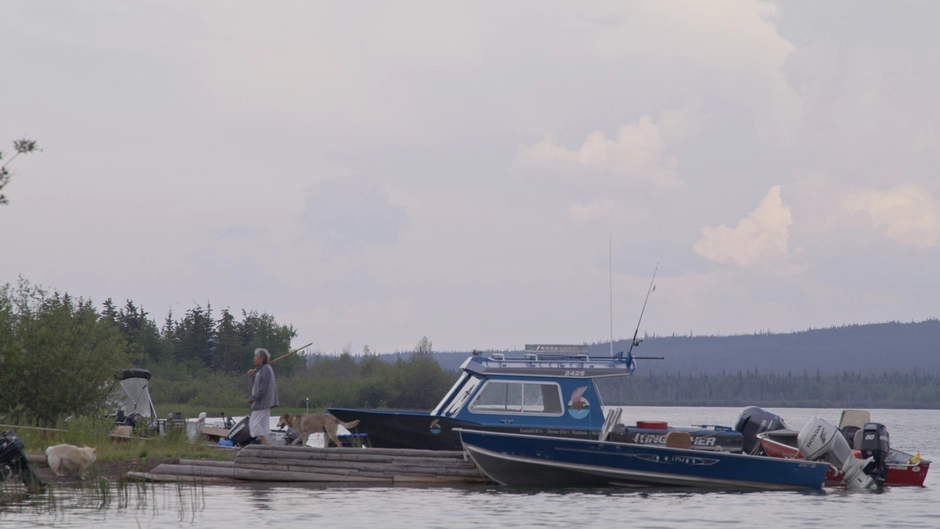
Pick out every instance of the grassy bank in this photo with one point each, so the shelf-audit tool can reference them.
(191, 411)
(83, 431)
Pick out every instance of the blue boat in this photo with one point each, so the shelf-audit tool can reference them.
(546, 461)
(549, 391)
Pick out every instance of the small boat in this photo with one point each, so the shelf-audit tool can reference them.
(903, 469)
(515, 459)
(549, 391)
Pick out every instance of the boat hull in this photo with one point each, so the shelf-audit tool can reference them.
(539, 461)
(423, 431)
(900, 473)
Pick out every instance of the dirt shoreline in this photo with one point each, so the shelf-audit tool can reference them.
(110, 470)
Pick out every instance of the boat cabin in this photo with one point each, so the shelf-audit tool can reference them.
(548, 391)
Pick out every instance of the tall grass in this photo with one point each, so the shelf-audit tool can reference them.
(95, 432)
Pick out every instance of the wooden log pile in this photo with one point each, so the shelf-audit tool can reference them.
(326, 465)
(369, 465)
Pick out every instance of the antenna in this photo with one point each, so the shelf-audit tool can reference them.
(634, 343)
(610, 268)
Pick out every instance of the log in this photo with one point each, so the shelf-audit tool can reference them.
(358, 461)
(372, 470)
(320, 456)
(268, 475)
(364, 470)
(438, 479)
(207, 463)
(407, 452)
(147, 476)
(424, 466)
(191, 470)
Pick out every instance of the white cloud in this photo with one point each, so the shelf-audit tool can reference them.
(604, 209)
(760, 238)
(638, 154)
(906, 213)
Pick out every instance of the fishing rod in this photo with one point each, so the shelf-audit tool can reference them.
(634, 342)
(285, 355)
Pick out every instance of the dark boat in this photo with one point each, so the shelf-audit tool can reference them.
(549, 391)
(544, 461)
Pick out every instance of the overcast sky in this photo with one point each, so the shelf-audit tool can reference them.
(372, 173)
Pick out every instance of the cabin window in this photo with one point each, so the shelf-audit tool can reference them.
(463, 393)
(537, 398)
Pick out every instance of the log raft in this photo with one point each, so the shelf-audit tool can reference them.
(323, 465)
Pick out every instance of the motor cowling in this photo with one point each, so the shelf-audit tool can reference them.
(14, 460)
(821, 440)
(875, 444)
(754, 420)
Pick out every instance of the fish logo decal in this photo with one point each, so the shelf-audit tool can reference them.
(578, 406)
(436, 426)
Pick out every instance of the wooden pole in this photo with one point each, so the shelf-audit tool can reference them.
(285, 355)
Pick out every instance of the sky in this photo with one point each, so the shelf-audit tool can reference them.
(486, 174)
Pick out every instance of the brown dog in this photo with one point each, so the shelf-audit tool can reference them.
(308, 423)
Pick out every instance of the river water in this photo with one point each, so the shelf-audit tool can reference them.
(293, 506)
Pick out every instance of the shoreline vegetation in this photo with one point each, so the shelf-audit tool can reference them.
(59, 355)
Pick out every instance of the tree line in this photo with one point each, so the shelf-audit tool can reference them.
(59, 355)
(412, 382)
(197, 339)
(846, 390)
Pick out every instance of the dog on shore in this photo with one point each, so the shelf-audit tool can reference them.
(309, 423)
(70, 458)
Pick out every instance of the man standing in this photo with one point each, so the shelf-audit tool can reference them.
(263, 396)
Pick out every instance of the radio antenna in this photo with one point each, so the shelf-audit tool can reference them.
(634, 343)
(610, 268)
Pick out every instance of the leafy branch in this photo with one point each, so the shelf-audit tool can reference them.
(21, 147)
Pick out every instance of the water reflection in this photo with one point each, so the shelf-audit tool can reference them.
(260, 498)
(100, 499)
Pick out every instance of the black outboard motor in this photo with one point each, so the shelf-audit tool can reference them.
(875, 443)
(13, 461)
(753, 421)
(240, 435)
(849, 433)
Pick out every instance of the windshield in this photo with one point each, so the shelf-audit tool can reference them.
(457, 395)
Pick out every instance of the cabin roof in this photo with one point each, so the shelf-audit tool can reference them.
(549, 365)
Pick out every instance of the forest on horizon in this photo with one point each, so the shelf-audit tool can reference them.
(58, 353)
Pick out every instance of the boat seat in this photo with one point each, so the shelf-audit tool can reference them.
(678, 440)
(550, 399)
(613, 418)
(854, 418)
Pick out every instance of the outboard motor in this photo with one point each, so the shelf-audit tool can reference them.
(849, 433)
(13, 461)
(753, 421)
(875, 443)
(240, 435)
(821, 440)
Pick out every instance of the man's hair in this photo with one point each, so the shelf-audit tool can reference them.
(264, 354)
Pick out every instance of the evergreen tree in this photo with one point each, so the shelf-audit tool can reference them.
(229, 350)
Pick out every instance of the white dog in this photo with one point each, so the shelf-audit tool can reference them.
(70, 458)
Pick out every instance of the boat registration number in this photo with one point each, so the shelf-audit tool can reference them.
(574, 373)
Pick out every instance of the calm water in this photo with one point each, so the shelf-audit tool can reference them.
(229, 506)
